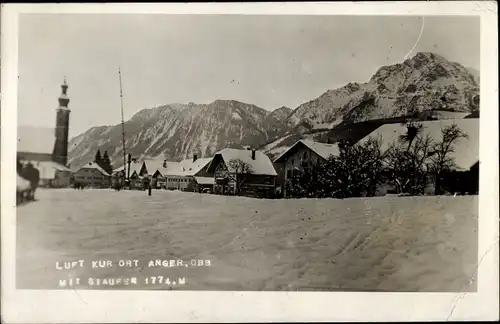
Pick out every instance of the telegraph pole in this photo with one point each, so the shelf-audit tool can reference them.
(123, 126)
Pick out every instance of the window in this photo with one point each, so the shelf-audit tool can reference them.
(293, 161)
(288, 173)
(304, 156)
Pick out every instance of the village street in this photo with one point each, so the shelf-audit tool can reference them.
(238, 243)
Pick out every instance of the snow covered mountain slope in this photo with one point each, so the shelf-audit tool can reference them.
(178, 132)
(425, 82)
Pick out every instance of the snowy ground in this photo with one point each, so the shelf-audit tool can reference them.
(383, 243)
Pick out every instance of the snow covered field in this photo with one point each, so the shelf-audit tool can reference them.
(382, 243)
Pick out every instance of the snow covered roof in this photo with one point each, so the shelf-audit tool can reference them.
(47, 169)
(466, 150)
(153, 165)
(172, 169)
(134, 167)
(322, 149)
(93, 165)
(443, 114)
(205, 180)
(188, 168)
(35, 139)
(262, 165)
(191, 168)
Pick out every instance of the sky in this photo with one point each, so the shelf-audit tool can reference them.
(268, 61)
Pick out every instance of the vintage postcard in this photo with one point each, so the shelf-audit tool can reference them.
(249, 162)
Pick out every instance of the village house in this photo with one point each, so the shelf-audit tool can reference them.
(53, 174)
(92, 175)
(190, 175)
(157, 171)
(135, 173)
(465, 177)
(118, 177)
(47, 148)
(300, 156)
(247, 172)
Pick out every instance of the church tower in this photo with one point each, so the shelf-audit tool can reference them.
(60, 154)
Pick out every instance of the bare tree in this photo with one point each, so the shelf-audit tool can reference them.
(354, 172)
(357, 170)
(406, 164)
(239, 169)
(440, 156)
(413, 130)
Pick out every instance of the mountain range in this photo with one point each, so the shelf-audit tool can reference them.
(425, 82)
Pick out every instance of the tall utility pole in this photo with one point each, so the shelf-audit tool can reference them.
(123, 126)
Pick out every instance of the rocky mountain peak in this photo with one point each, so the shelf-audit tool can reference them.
(281, 112)
(424, 82)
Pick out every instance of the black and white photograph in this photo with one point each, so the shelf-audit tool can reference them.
(248, 152)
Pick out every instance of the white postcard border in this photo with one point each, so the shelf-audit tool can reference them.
(203, 306)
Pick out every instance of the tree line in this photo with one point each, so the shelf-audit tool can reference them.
(410, 164)
(104, 162)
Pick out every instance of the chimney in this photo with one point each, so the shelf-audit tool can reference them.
(164, 163)
(253, 154)
(195, 157)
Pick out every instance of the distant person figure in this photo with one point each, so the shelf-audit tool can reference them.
(33, 176)
(118, 186)
(148, 185)
(277, 192)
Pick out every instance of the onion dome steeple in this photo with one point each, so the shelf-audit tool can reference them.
(63, 98)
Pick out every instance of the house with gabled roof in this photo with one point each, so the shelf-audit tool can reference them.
(92, 175)
(189, 175)
(301, 155)
(466, 151)
(135, 171)
(248, 172)
(465, 154)
(158, 169)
